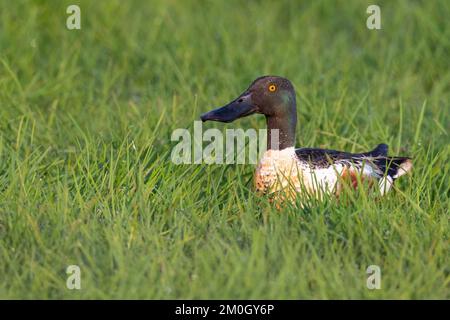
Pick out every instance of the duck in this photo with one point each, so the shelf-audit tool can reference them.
(290, 172)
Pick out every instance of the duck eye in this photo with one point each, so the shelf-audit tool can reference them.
(272, 88)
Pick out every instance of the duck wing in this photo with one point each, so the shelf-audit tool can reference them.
(377, 161)
(323, 158)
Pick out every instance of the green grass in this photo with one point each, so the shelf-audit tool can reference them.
(85, 171)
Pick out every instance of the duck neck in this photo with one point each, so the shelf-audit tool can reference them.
(285, 136)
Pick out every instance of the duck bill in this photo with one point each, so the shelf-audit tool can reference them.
(239, 108)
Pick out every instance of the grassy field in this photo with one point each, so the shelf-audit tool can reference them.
(86, 177)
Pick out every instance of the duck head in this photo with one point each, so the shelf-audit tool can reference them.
(272, 96)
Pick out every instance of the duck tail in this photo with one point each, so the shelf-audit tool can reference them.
(394, 167)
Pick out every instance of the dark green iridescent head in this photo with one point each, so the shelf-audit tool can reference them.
(271, 96)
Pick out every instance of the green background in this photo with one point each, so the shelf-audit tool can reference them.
(85, 172)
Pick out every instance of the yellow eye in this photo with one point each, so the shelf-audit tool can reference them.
(272, 88)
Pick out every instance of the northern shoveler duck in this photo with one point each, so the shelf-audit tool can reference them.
(317, 171)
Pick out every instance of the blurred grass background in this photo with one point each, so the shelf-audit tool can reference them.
(85, 172)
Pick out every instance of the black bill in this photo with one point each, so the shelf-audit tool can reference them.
(241, 107)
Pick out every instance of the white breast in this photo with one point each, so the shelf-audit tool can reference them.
(281, 169)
